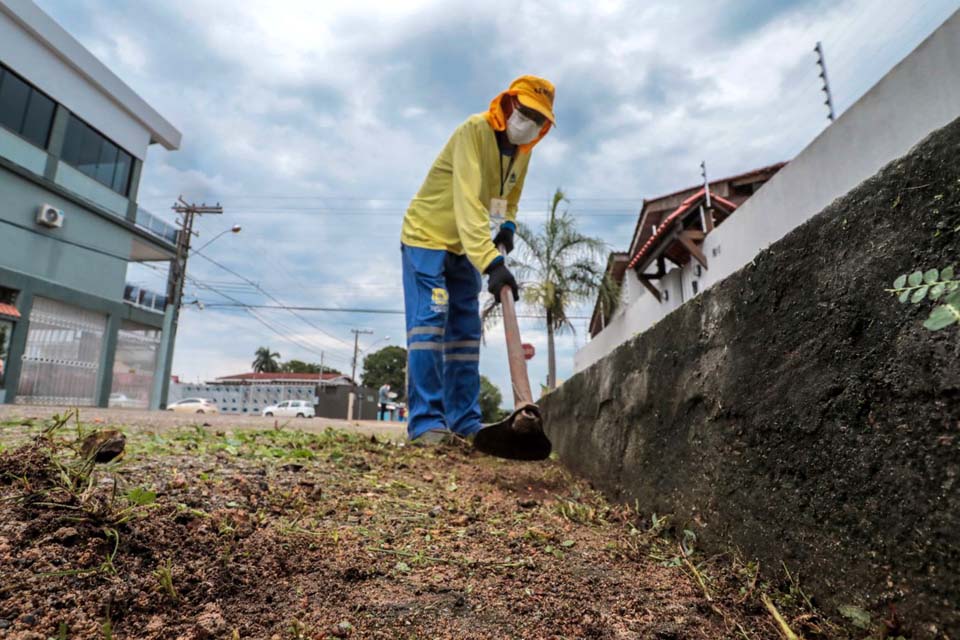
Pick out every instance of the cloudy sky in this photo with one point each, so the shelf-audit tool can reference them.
(313, 123)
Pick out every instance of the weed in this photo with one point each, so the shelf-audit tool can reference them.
(164, 575)
(107, 566)
(932, 284)
(107, 627)
(297, 630)
(141, 497)
(579, 512)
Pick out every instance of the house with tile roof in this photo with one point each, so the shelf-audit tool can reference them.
(668, 236)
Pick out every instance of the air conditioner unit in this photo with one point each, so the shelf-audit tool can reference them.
(49, 216)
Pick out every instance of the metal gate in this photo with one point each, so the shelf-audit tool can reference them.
(61, 364)
(133, 366)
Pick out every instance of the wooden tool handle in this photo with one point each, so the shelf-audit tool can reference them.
(518, 364)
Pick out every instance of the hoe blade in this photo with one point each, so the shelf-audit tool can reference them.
(518, 437)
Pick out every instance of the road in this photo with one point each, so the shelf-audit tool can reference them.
(159, 420)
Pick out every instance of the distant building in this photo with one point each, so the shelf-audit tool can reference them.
(73, 138)
(280, 377)
(251, 393)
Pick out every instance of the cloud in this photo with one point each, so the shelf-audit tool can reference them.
(313, 124)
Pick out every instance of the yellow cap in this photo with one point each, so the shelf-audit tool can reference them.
(535, 93)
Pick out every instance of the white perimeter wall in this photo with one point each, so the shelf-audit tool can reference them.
(23, 53)
(920, 95)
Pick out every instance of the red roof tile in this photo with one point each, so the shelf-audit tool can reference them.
(667, 223)
(281, 375)
(9, 311)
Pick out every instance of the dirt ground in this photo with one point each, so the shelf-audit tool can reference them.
(201, 532)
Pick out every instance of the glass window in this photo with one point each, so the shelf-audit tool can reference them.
(39, 119)
(14, 95)
(107, 163)
(89, 151)
(96, 156)
(73, 141)
(23, 109)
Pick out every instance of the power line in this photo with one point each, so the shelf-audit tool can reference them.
(250, 310)
(216, 305)
(269, 295)
(242, 196)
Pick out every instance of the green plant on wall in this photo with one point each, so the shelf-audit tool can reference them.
(938, 285)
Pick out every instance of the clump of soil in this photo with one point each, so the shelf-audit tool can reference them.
(282, 534)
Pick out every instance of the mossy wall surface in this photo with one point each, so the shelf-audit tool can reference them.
(797, 411)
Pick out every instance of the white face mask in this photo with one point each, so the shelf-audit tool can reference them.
(521, 129)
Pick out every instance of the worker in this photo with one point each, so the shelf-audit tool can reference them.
(383, 398)
(446, 245)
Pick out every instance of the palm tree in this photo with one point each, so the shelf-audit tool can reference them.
(266, 361)
(558, 267)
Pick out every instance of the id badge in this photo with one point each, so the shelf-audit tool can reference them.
(498, 209)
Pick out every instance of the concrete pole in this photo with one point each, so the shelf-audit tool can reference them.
(351, 401)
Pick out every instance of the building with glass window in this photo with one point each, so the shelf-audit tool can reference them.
(73, 138)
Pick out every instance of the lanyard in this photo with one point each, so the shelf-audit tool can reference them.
(503, 178)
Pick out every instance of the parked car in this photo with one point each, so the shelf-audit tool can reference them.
(121, 400)
(291, 409)
(194, 405)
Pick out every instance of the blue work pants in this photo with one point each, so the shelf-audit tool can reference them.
(440, 292)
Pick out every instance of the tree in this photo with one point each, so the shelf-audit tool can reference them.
(388, 365)
(558, 267)
(490, 400)
(266, 361)
(299, 366)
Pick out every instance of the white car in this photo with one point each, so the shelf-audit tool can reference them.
(290, 409)
(121, 400)
(194, 405)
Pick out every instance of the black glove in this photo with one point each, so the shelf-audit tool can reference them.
(500, 276)
(505, 237)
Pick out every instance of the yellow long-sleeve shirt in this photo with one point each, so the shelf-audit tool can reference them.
(451, 209)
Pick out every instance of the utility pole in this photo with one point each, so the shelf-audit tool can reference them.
(320, 379)
(175, 281)
(356, 349)
(706, 183)
(826, 81)
(178, 271)
(706, 216)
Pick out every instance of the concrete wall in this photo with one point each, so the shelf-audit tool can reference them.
(26, 55)
(798, 412)
(919, 95)
(633, 317)
(39, 254)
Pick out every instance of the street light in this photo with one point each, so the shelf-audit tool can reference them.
(375, 344)
(234, 229)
